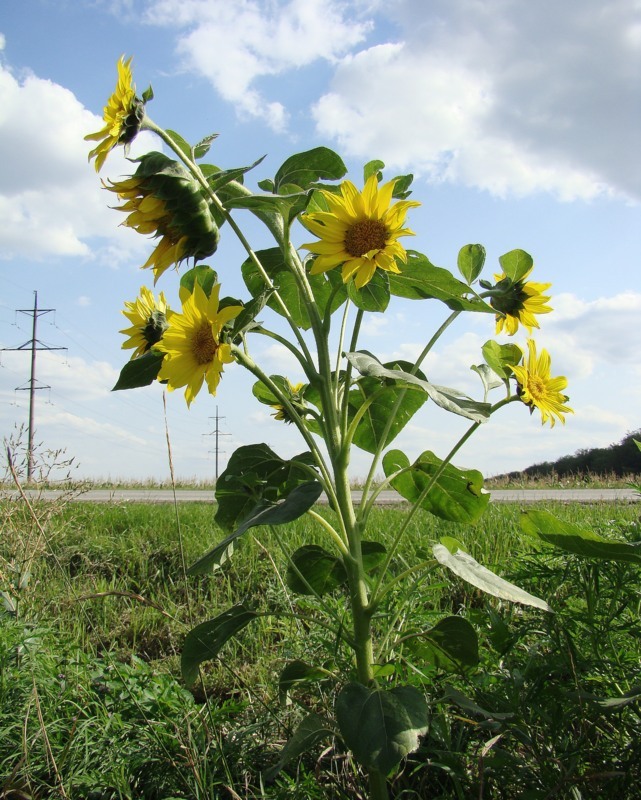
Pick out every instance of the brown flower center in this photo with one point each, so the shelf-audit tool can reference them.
(203, 345)
(366, 235)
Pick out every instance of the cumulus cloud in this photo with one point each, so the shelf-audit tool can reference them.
(500, 95)
(51, 200)
(233, 45)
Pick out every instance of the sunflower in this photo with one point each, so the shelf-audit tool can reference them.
(537, 388)
(163, 198)
(192, 343)
(360, 231)
(295, 396)
(148, 317)
(519, 304)
(122, 115)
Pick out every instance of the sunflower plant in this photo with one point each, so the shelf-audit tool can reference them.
(319, 294)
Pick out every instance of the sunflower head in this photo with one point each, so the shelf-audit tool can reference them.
(194, 343)
(162, 198)
(148, 317)
(518, 302)
(359, 232)
(538, 389)
(295, 397)
(123, 116)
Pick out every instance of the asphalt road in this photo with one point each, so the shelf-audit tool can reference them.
(385, 498)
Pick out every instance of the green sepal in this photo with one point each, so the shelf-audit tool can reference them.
(501, 357)
(314, 571)
(572, 539)
(456, 495)
(141, 371)
(471, 259)
(374, 296)
(204, 642)
(380, 726)
(516, 264)
(420, 280)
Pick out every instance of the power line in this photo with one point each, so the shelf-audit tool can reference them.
(217, 432)
(33, 345)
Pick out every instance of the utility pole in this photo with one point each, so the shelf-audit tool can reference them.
(217, 432)
(34, 345)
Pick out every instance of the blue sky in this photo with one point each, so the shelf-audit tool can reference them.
(520, 121)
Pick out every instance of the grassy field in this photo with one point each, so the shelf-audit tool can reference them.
(97, 604)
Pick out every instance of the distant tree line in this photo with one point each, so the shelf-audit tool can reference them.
(619, 459)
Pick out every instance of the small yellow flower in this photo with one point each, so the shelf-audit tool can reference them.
(521, 302)
(294, 392)
(122, 115)
(192, 343)
(148, 318)
(360, 231)
(538, 389)
(163, 199)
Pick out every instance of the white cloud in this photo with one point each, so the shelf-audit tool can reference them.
(500, 95)
(51, 200)
(233, 45)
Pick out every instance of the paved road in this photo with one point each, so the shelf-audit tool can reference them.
(385, 498)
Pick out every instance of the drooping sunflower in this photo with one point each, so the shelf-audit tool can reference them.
(295, 396)
(164, 199)
(148, 317)
(537, 388)
(192, 344)
(122, 115)
(521, 303)
(360, 231)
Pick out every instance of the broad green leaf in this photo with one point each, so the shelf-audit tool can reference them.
(469, 705)
(402, 184)
(314, 571)
(254, 479)
(374, 296)
(573, 539)
(379, 726)
(204, 641)
(452, 644)
(471, 259)
(456, 495)
(488, 377)
(140, 371)
(369, 431)
(463, 565)
(223, 177)
(500, 357)
(296, 673)
(373, 167)
(297, 503)
(202, 274)
(374, 554)
(516, 264)
(285, 282)
(309, 732)
(419, 280)
(304, 169)
(449, 399)
(614, 703)
(201, 149)
(178, 140)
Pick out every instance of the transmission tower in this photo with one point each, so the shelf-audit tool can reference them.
(217, 432)
(33, 345)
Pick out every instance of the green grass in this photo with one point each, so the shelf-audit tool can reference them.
(92, 705)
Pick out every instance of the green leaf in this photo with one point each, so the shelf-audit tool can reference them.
(379, 726)
(178, 140)
(420, 280)
(456, 495)
(488, 377)
(449, 399)
(202, 148)
(202, 274)
(500, 357)
(221, 178)
(314, 571)
(374, 296)
(373, 167)
(254, 479)
(204, 641)
(374, 554)
(402, 184)
(467, 704)
(369, 431)
(304, 169)
(297, 503)
(140, 371)
(309, 732)
(452, 644)
(148, 94)
(296, 673)
(471, 259)
(516, 264)
(463, 565)
(572, 539)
